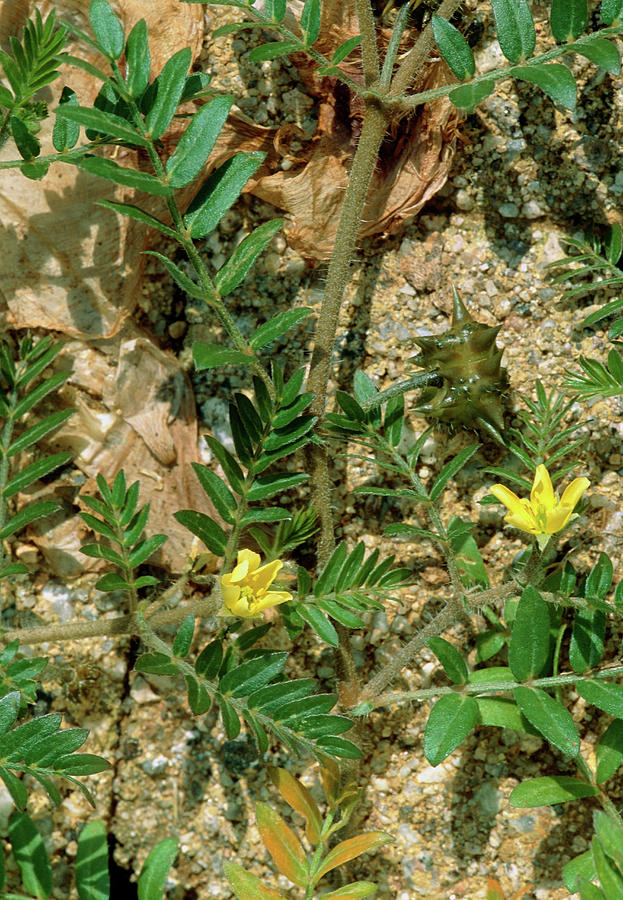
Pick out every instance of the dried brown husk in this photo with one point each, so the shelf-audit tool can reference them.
(134, 410)
(70, 266)
(67, 264)
(414, 159)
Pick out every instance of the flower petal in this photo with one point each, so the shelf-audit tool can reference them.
(506, 496)
(229, 592)
(241, 608)
(261, 579)
(558, 518)
(522, 521)
(271, 598)
(251, 558)
(573, 492)
(542, 493)
(240, 571)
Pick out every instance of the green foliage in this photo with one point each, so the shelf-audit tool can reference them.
(248, 683)
(594, 266)
(287, 850)
(121, 523)
(20, 392)
(31, 64)
(20, 674)
(349, 585)
(542, 438)
(598, 380)
(264, 431)
(39, 749)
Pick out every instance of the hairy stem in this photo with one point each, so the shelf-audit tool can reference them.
(373, 131)
(121, 625)
(369, 49)
(419, 53)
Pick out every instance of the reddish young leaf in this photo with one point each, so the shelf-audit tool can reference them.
(300, 799)
(330, 777)
(282, 844)
(494, 890)
(355, 891)
(247, 886)
(351, 849)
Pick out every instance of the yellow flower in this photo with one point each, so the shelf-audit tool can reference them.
(543, 514)
(245, 590)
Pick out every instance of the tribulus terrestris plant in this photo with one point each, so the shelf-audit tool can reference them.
(281, 576)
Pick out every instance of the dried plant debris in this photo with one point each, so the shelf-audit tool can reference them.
(68, 264)
(134, 410)
(414, 159)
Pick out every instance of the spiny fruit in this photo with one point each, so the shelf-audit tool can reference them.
(469, 364)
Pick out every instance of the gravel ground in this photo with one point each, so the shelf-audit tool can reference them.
(525, 176)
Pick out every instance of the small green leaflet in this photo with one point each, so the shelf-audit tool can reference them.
(170, 85)
(91, 870)
(609, 751)
(529, 644)
(450, 721)
(218, 193)
(273, 50)
(26, 143)
(104, 122)
(207, 356)
(134, 212)
(198, 141)
(611, 11)
(451, 469)
(568, 19)
(155, 870)
(554, 79)
(579, 868)
(27, 515)
(30, 855)
(603, 694)
(310, 21)
(65, 133)
(179, 277)
(107, 28)
(552, 720)
(587, 639)
(138, 59)
(111, 171)
(453, 663)
(550, 789)
(515, 29)
(454, 48)
(277, 326)
(205, 528)
(235, 269)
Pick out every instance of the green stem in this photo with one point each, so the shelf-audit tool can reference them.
(122, 625)
(557, 649)
(338, 276)
(504, 71)
(5, 443)
(373, 701)
(369, 49)
(416, 382)
(66, 156)
(212, 296)
(418, 55)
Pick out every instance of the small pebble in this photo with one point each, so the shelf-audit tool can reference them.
(509, 210)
